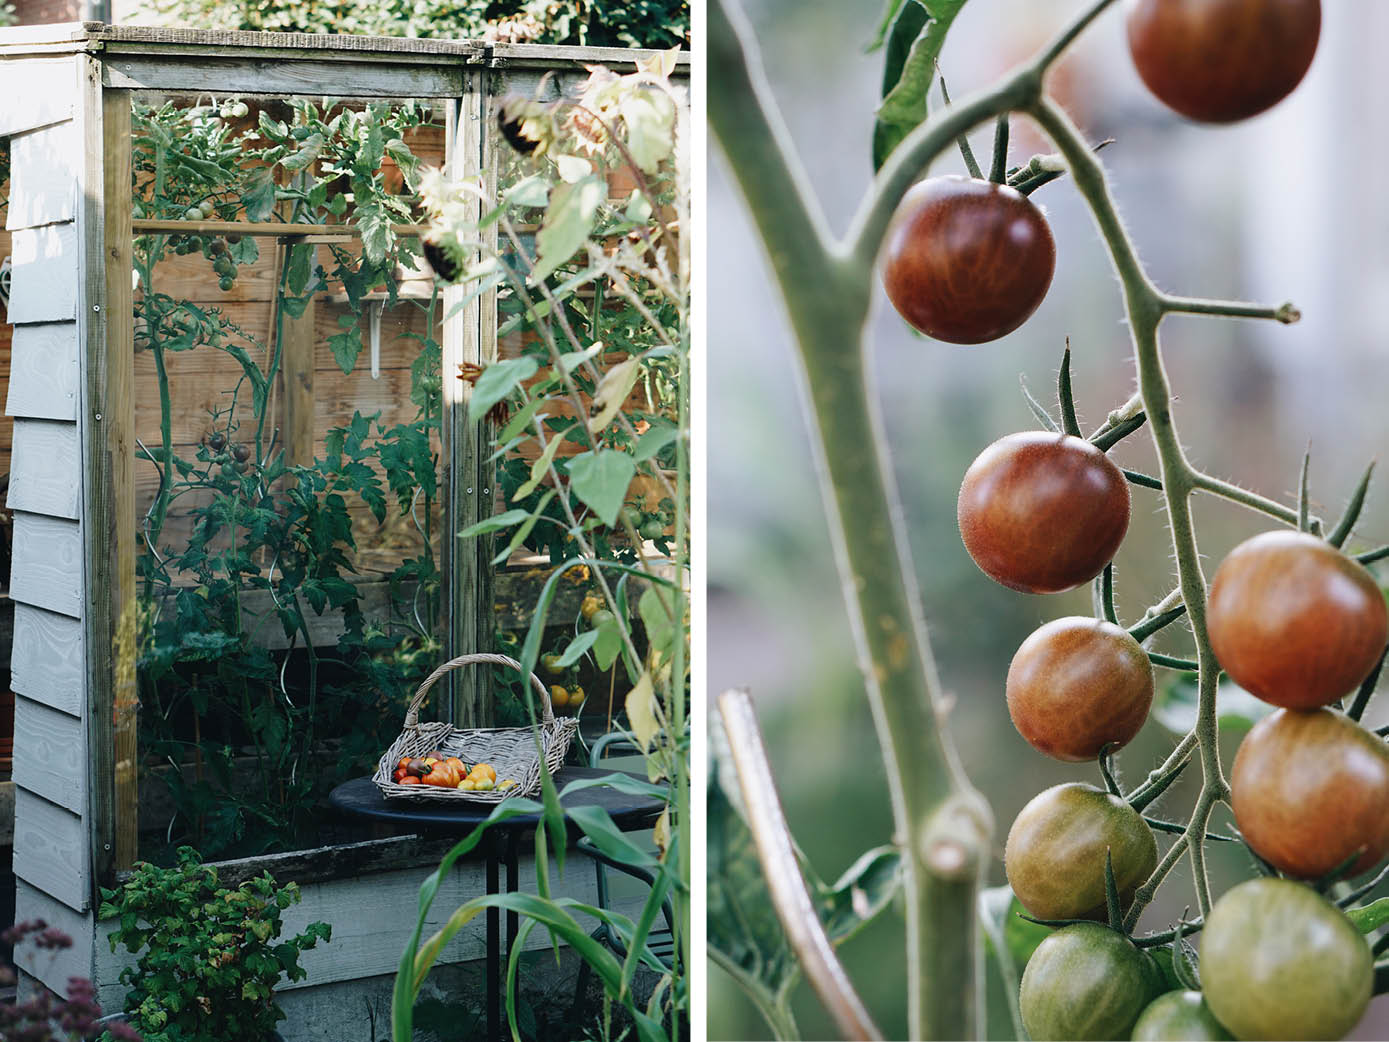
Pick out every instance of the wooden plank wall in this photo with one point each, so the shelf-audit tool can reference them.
(40, 437)
(201, 380)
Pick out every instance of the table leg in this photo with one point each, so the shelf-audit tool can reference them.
(513, 873)
(494, 944)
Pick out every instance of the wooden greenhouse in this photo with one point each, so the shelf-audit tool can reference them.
(99, 420)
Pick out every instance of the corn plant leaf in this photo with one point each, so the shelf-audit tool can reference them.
(577, 646)
(641, 711)
(495, 523)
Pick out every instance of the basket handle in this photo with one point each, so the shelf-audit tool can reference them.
(412, 715)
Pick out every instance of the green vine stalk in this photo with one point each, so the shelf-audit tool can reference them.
(941, 823)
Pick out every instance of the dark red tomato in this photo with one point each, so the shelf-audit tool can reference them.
(1086, 981)
(1280, 961)
(1077, 685)
(967, 260)
(1219, 61)
(1309, 790)
(1042, 512)
(1179, 1016)
(1056, 850)
(1295, 621)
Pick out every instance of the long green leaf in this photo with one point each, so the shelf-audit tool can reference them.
(904, 102)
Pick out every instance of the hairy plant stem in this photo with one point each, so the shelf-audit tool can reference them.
(1146, 307)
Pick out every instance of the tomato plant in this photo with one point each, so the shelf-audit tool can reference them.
(967, 261)
(1078, 685)
(1292, 617)
(1042, 512)
(1280, 961)
(1086, 982)
(1055, 857)
(1310, 792)
(1219, 61)
(1295, 621)
(1177, 1016)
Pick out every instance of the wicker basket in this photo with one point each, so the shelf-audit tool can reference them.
(510, 750)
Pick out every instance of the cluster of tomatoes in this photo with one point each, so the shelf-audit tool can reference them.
(1291, 619)
(448, 772)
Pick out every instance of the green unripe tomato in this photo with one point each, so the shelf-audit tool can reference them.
(652, 530)
(192, 214)
(225, 283)
(1056, 851)
(232, 469)
(223, 265)
(1086, 982)
(632, 514)
(1179, 1016)
(551, 664)
(1279, 961)
(207, 207)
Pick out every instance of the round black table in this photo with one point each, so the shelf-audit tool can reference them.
(500, 844)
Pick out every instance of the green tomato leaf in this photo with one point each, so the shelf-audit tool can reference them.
(601, 479)
(300, 267)
(498, 381)
(653, 441)
(567, 223)
(918, 34)
(1370, 917)
(259, 196)
(1175, 705)
(244, 250)
(309, 150)
(346, 348)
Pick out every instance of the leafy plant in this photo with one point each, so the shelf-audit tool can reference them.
(255, 521)
(209, 959)
(965, 260)
(591, 23)
(601, 296)
(45, 1017)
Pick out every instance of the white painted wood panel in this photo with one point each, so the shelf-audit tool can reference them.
(43, 372)
(46, 569)
(50, 849)
(46, 468)
(43, 175)
(50, 754)
(36, 93)
(47, 663)
(43, 279)
(54, 968)
(372, 917)
(282, 76)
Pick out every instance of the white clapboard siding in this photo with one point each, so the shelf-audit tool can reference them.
(45, 468)
(43, 175)
(36, 93)
(372, 917)
(47, 663)
(50, 849)
(43, 372)
(46, 567)
(50, 754)
(54, 968)
(44, 274)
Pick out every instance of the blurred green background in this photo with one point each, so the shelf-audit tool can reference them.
(1286, 206)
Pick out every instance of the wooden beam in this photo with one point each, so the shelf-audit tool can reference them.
(284, 230)
(297, 367)
(260, 74)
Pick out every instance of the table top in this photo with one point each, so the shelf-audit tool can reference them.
(360, 796)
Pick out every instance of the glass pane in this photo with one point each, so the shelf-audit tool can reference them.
(288, 465)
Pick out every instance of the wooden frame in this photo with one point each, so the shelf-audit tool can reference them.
(72, 391)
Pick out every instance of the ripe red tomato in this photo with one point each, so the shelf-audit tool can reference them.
(1280, 961)
(1219, 61)
(967, 261)
(1179, 1015)
(1042, 512)
(1056, 850)
(1078, 684)
(1295, 621)
(1309, 790)
(1086, 981)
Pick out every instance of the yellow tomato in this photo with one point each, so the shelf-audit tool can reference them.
(576, 696)
(484, 785)
(591, 603)
(487, 770)
(467, 785)
(559, 698)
